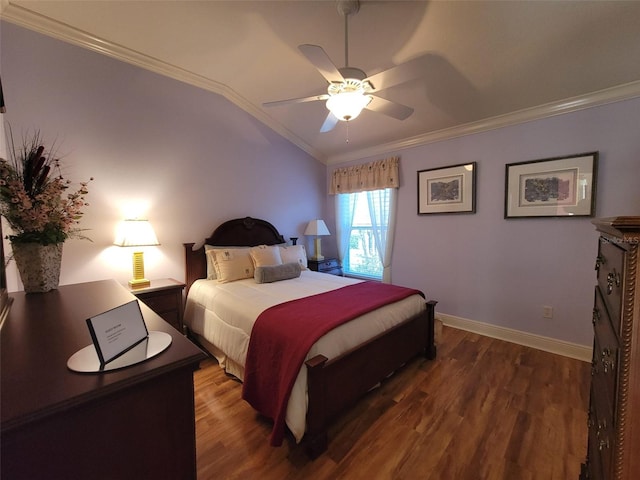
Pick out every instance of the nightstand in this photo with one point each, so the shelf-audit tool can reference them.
(164, 297)
(328, 265)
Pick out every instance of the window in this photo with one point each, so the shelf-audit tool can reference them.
(363, 228)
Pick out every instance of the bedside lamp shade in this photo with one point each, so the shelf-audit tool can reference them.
(317, 228)
(136, 233)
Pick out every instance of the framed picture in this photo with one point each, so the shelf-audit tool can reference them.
(552, 187)
(447, 189)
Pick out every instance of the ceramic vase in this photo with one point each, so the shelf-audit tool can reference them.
(38, 265)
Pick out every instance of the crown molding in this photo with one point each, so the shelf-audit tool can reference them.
(594, 99)
(42, 24)
(23, 17)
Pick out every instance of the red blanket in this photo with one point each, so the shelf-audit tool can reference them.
(284, 333)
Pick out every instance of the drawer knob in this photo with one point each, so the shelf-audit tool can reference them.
(599, 261)
(607, 365)
(603, 444)
(596, 316)
(613, 278)
(602, 426)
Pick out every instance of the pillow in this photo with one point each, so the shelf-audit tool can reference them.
(211, 259)
(232, 263)
(264, 255)
(294, 253)
(275, 273)
(211, 267)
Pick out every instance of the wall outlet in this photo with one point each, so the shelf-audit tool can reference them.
(547, 312)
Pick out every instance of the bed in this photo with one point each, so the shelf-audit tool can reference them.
(339, 367)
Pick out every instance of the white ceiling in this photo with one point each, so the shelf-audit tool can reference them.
(489, 63)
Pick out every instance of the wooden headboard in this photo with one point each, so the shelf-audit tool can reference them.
(239, 232)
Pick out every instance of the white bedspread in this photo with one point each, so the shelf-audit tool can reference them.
(224, 314)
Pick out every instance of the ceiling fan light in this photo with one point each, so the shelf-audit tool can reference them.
(346, 106)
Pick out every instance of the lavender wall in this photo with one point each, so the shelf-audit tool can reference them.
(485, 268)
(188, 159)
(183, 157)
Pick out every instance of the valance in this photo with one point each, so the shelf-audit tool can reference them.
(376, 175)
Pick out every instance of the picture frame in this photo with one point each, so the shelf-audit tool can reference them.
(552, 187)
(450, 189)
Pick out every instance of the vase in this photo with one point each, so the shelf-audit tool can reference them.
(38, 265)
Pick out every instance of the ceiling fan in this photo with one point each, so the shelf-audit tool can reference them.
(350, 90)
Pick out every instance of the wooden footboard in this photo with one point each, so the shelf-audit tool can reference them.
(336, 385)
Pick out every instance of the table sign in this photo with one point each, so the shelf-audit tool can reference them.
(117, 330)
(120, 339)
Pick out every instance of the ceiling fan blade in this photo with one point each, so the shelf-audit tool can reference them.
(399, 74)
(313, 98)
(329, 123)
(387, 107)
(319, 58)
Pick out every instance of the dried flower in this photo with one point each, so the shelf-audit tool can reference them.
(34, 197)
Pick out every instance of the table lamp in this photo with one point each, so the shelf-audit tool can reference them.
(136, 233)
(317, 228)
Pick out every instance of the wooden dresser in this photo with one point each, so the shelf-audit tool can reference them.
(614, 409)
(137, 422)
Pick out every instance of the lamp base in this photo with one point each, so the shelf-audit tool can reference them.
(140, 283)
(318, 254)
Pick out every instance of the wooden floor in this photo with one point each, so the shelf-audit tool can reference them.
(484, 409)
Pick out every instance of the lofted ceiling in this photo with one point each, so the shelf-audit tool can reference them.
(485, 64)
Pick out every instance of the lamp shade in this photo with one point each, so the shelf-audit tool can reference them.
(348, 105)
(135, 233)
(317, 228)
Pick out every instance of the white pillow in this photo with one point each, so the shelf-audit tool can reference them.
(232, 263)
(266, 256)
(211, 268)
(294, 254)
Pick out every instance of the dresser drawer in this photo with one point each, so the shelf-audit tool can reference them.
(160, 303)
(599, 453)
(328, 265)
(605, 360)
(610, 266)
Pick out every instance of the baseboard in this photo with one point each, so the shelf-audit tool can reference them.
(551, 345)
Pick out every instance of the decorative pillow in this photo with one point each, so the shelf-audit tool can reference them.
(275, 273)
(294, 253)
(232, 264)
(265, 255)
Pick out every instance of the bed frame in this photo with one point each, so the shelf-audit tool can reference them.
(335, 385)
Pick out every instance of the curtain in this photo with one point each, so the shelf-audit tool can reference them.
(380, 179)
(376, 175)
(345, 209)
(382, 208)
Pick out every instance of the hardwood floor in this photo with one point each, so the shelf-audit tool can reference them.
(484, 409)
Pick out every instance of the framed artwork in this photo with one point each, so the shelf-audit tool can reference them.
(552, 187)
(447, 189)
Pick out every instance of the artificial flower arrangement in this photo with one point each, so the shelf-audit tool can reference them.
(34, 196)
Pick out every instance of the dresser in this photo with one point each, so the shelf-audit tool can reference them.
(132, 423)
(614, 408)
(327, 265)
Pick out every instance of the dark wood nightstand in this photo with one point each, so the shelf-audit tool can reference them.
(328, 265)
(163, 296)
